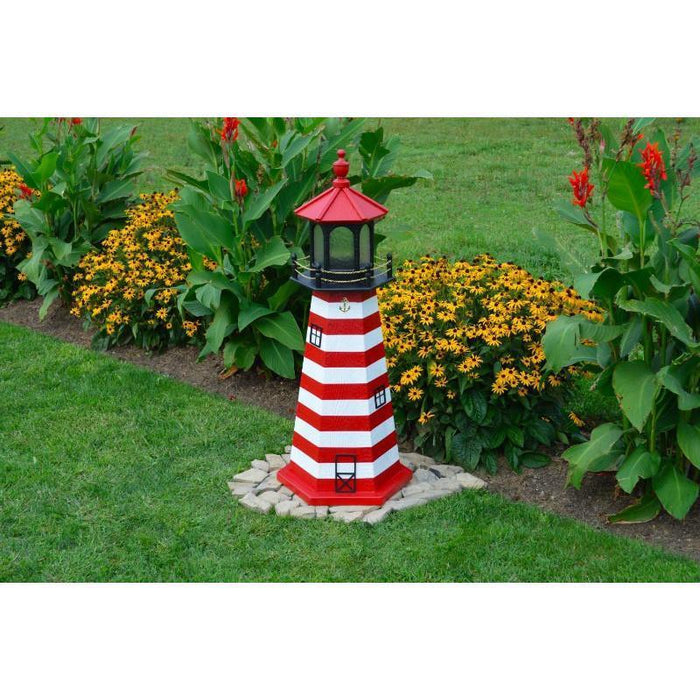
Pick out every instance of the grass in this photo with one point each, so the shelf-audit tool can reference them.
(111, 473)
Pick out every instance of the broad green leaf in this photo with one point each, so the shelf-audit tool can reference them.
(239, 352)
(215, 227)
(534, 460)
(636, 388)
(117, 189)
(672, 378)
(208, 295)
(632, 336)
(600, 332)
(689, 442)
(278, 358)
(573, 214)
(273, 253)
(282, 295)
(675, 490)
(219, 186)
(49, 298)
(295, 147)
(222, 324)
(644, 510)
(602, 285)
(581, 457)
(30, 219)
(24, 170)
(257, 204)
(560, 342)
(641, 464)
(283, 328)
(626, 188)
(665, 313)
(642, 123)
(475, 406)
(466, 450)
(46, 167)
(193, 235)
(250, 311)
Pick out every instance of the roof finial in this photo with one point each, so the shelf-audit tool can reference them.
(341, 168)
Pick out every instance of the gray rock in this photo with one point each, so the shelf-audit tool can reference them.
(269, 484)
(352, 509)
(275, 461)
(260, 464)
(397, 496)
(251, 501)
(321, 511)
(418, 487)
(450, 485)
(306, 512)
(347, 516)
(410, 502)
(239, 488)
(376, 516)
(288, 449)
(413, 460)
(273, 497)
(445, 470)
(250, 476)
(298, 500)
(423, 475)
(469, 481)
(284, 507)
(287, 458)
(286, 492)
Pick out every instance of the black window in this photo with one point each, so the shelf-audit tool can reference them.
(315, 336)
(380, 396)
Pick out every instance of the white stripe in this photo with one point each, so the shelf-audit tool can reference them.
(344, 438)
(337, 407)
(326, 470)
(343, 375)
(348, 343)
(356, 309)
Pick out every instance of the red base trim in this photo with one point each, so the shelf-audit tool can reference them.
(321, 492)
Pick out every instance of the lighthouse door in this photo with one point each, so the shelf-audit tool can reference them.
(345, 473)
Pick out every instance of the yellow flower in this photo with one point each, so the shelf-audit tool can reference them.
(575, 420)
(414, 393)
(426, 416)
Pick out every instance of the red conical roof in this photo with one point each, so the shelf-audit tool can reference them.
(341, 203)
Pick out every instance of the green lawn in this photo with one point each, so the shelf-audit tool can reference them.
(110, 472)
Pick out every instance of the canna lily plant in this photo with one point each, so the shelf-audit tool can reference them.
(632, 194)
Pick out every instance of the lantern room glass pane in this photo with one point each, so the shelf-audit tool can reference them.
(365, 250)
(342, 249)
(318, 245)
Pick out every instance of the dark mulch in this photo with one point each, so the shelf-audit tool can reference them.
(544, 488)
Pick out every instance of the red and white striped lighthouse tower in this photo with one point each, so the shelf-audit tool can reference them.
(344, 449)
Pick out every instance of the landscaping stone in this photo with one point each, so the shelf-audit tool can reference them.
(288, 449)
(258, 489)
(260, 464)
(251, 476)
(423, 475)
(250, 500)
(275, 461)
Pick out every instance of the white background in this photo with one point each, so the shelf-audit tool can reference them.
(411, 58)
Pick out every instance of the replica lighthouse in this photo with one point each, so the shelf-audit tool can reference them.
(344, 449)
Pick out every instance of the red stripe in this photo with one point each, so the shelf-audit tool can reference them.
(329, 392)
(340, 326)
(368, 422)
(344, 359)
(328, 454)
(333, 297)
(318, 492)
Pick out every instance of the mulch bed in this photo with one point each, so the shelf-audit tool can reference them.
(544, 488)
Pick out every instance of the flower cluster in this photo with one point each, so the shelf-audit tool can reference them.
(14, 242)
(653, 168)
(229, 132)
(456, 329)
(581, 186)
(129, 286)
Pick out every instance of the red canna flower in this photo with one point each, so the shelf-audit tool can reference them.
(653, 167)
(581, 186)
(240, 188)
(75, 121)
(25, 192)
(230, 131)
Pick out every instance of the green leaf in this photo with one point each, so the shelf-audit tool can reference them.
(222, 324)
(49, 298)
(46, 168)
(689, 442)
(256, 205)
(534, 460)
(208, 295)
(644, 510)
(282, 295)
(672, 378)
(283, 328)
(240, 352)
(216, 229)
(475, 406)
(560, 342)
(582, 457)
(665, 313)
(278, 358)
(515, 435)
(641, 464)
(573, 214)
(250, 311)
(30, 219)
(193, 235)
(636, 387)
(466, 450)
(632, 336)
(676, 491)
(219, 186)
(117, 189)
(603, 284)
(626, 188)
(273, 253)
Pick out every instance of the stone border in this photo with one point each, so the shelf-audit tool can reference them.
(257, 488)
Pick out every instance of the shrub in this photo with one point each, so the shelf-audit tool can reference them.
(83, 177)
(466, 363)
(630, 194)
(240, 214)
(14, 242)
(128, 287)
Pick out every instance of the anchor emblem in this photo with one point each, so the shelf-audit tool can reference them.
(344, 305)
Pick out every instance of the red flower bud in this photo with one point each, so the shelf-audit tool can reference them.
(581, 187)
(25, 192)
(653, 168)
(230, 131)
(240, 188)
(76, 121)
